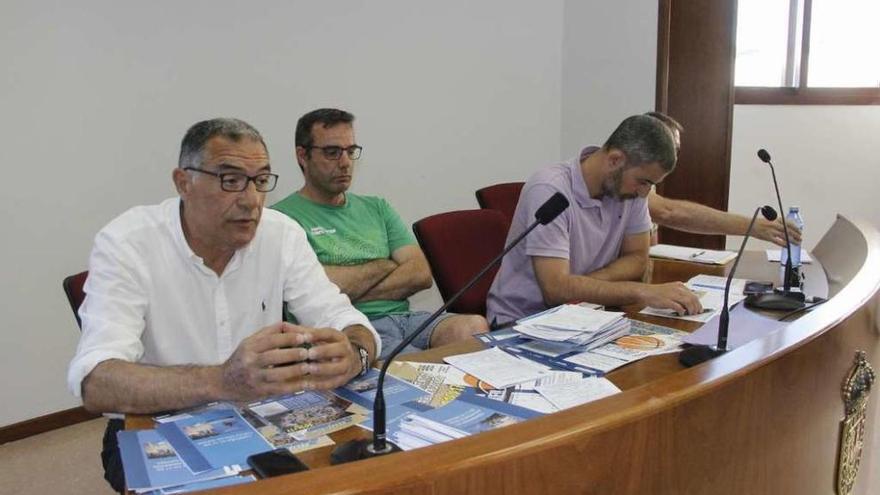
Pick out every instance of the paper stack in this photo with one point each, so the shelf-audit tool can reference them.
(576, 325)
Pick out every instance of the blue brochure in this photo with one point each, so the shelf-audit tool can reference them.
(204, 485)
(413, 424)
(150, 462)
(213, 439)
(557, 363)
(507, 336)
(362, 391)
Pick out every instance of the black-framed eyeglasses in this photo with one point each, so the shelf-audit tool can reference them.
(238, 182)
(335, 152)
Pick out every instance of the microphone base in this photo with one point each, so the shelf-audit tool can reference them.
(777, 301)
(697, 354)
(356, 450)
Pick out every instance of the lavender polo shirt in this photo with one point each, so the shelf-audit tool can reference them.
(588, 234)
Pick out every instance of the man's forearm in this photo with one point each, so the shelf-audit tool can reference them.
(361, 336)
(407, 279)
(626, 268)
(688, 216)
(356, 280)
(124, 387)
(583, 288)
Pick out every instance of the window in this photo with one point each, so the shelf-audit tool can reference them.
(808, 52)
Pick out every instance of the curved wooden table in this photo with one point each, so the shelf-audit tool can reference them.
(763, 418)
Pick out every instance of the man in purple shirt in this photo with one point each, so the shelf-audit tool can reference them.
(597, 249)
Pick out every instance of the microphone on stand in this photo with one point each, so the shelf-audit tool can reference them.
(363, 449)
(697, 354)
(784, 299)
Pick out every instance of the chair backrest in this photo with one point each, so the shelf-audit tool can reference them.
(458, 244)
(73, 287)
(501, 197)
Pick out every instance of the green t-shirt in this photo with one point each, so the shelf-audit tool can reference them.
(365, 228)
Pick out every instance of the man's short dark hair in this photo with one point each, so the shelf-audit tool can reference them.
(327, 117)
(193, 145)
(643, 139)
(666, 119)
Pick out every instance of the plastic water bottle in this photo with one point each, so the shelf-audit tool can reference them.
(794, 214)
(795, 281)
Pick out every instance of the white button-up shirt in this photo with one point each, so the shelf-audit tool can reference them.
(151, 300)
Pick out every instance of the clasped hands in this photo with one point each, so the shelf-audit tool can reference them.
(285, 358)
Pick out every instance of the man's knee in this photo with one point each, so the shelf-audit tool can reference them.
(459, 327)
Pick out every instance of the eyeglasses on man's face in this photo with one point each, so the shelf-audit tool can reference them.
(335, 152)
(237, 182)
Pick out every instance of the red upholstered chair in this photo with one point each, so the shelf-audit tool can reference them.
(458, 244)
(73, 287)
(501, 197)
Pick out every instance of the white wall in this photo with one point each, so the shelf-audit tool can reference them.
(826, 160)
(609, 68)
(449, 96)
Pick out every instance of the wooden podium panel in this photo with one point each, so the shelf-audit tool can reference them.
(763, 418)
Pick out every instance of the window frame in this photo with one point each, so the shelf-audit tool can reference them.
(802, 94)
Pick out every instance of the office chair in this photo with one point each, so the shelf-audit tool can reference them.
(73, 287)
(458, 244)
(501, 197)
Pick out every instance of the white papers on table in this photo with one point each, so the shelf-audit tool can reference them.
(571, 394)
(597, 361)
(711, 300)
(574, 324)
(572, 318)
(773, 255)
(533, 401)
(695, 255)
(496, 367)
(551, 378)
(737, 285)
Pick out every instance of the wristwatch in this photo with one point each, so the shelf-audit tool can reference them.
(364, 357)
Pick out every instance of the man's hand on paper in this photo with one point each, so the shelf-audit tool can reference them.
(674, 295)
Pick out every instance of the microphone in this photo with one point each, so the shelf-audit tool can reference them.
(699, 353)
(363, 449)
(784, 299)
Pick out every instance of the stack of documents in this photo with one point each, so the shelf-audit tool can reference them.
(694, 255)
(576, 325)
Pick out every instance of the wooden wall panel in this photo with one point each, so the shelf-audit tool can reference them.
(695, 86)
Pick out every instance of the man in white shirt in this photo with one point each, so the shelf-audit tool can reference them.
(184, 299)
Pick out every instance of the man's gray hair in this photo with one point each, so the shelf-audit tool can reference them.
(644, 139)
(193, 145)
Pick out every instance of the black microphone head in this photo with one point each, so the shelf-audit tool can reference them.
(551, 208)
(768, 212)
(763, 155)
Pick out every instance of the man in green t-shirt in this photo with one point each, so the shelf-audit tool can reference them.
(363, 244)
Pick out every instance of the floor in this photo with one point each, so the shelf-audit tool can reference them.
(62, 461)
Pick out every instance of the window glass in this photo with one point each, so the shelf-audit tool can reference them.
(844, 44)
(762, 42)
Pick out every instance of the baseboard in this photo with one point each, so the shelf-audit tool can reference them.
(45, 423)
